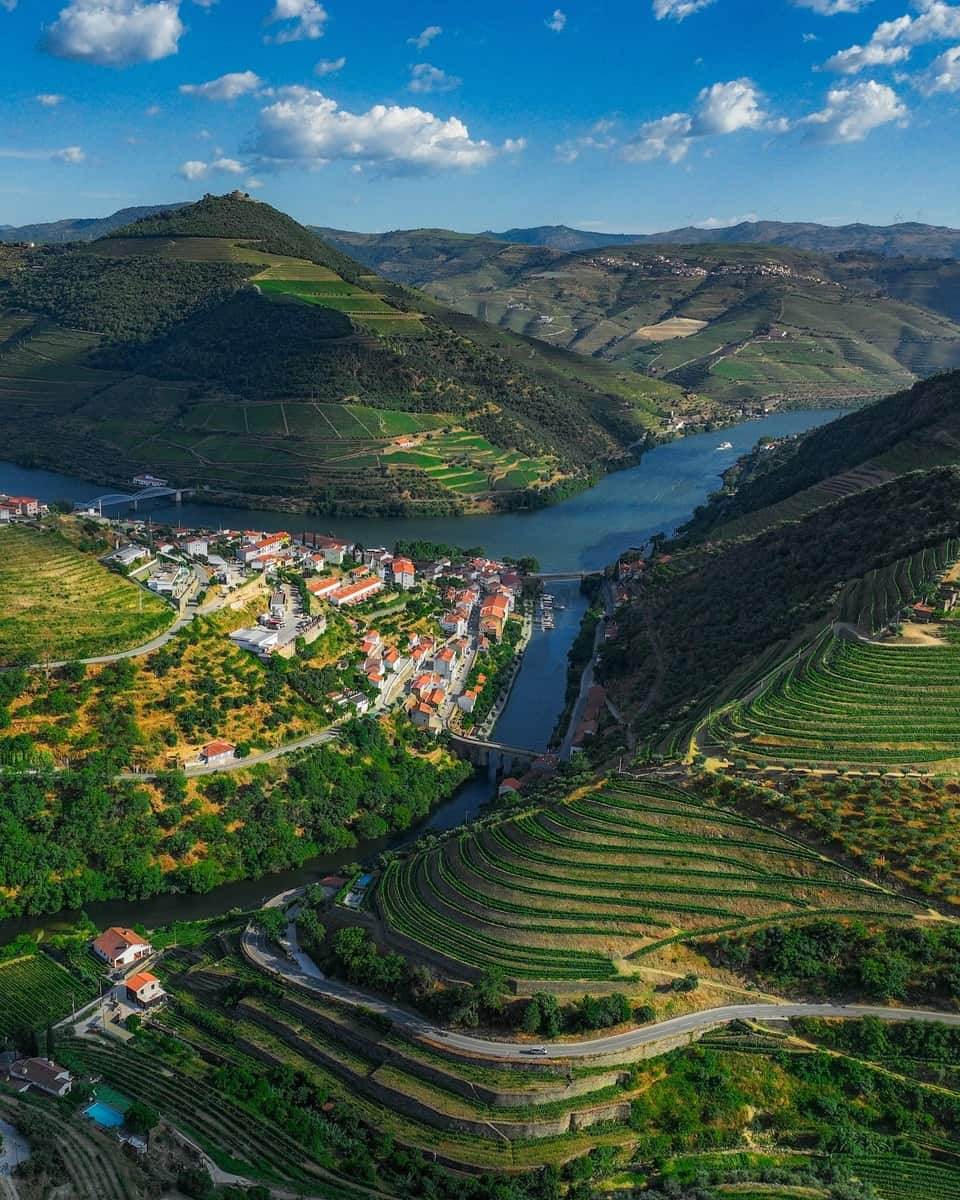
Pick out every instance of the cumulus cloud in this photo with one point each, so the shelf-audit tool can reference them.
(194, 169)
(115, 33)
(557, 21)
(721, 109)
(49, 99)
(329, 66)
(305, 127)
(304, 20)
(678, 10)
(424, 78)
(832, 8)
(68, 154)
(227, 87)
(893, 41)
(943, 74)
(425, 37)
(853, 112)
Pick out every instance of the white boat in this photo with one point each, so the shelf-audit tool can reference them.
(725, 446)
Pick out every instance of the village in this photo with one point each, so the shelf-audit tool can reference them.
(442, 616)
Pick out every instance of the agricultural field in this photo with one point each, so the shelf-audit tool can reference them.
(58, 602)
(586, 889)
(35, 991)
(854, 703)
(467, 462)
(358, 303)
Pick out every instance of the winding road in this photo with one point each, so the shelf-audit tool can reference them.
(298, 968)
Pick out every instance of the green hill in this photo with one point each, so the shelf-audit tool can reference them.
(767, 325)
(225, 346)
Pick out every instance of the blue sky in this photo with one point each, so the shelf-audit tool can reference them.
(632, 115)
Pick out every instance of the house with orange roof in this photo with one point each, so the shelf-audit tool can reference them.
(425, 717)
(445, 662)
(404, 573)
(354, 593)
(216, 753)
(121, 947)
(144, 989)
(322, 586)
(468, 700)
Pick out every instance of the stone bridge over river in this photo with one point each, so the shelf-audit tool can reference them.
(498, 758)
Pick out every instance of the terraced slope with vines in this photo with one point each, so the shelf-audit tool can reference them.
(583, 889)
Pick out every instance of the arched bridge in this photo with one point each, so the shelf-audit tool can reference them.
(150, 493)
(498, 758)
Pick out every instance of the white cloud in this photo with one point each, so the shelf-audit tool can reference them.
(727, 107)
(943, 74)
(424, 78)
(304, 127)
(666, 137)
(678, 10)
(308, 18)
(49, 99)
(598, 137)
(227, 87)
(853, 112)
(514, 145)
(115, 33)
(557, 21)
(725, 222)
(154, 110)
(194, 169)
(832, 8)
(69, 154)
(721, 109)
(893, 41)
(9, 5)
(253, 183)
(425, 37)
(329, 66)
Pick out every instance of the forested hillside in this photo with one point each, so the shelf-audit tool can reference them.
(907, 431)
(223, 345)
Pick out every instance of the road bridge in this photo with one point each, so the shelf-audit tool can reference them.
(114, 499)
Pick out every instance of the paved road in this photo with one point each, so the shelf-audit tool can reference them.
(300, 969)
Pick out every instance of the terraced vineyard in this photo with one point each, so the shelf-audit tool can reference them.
(581, 890)
(77, 608)
(855, 703)
(36, 990)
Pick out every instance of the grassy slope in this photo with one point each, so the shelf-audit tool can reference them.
(77, 608)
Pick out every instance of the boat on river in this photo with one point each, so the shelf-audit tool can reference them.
(725, 446)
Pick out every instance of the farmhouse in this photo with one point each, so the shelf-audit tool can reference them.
(121, 947)
(42, 1074)
(214, 754)
(924, 613)
(144, 988)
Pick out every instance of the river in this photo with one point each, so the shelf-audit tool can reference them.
(584, 533)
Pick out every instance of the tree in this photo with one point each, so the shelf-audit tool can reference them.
(272, 922)
(141, 1118)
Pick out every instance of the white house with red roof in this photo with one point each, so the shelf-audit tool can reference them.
(216, 753)
(404, 573)
(121, 947)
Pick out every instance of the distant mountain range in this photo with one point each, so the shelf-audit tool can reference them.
(82, 229)
(909, 238)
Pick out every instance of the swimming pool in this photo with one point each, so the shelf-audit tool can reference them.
(104, 1115)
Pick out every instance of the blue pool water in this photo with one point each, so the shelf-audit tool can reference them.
(104, 1115)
